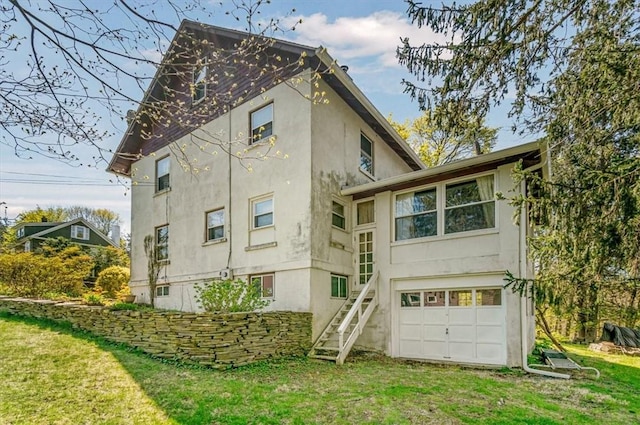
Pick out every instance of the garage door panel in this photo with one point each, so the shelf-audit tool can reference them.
(435, 349)
(461, 350)
(411, 348)
(490, 316)
(410, 332)
(461, 316)
(489, 353)
(434, 333)
(461, 333)
(489, 334)
(435, 315)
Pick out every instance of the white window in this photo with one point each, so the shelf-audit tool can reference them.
(470, 205)
(162, 243)
(265, 284)
(20, 233)
(199, 83)
(366, 155)
(162, 291)
(337, 215)
(162, 174)
(448, 208)
(416, 214)
(80, 232)
(338, 286)
(261, 123)
(262, 212)
(215, 225)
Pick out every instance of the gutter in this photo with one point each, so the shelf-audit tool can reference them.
(441, 169)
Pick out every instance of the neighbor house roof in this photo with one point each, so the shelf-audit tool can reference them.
(57, 226)
(531, 154)
(131, 144)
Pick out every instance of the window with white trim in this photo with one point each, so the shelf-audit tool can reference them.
(261, 123)
(265, 284)
(366, 155)
(199, 87)
(338, 286)
(416, 214)
(445, 209)
(162, 174)
(20, 233)
(162, 243)
(365, 212)
(162, 291)
(80, 232)
(215, 225)
(470, 205)
(262, 213)
(337, 215)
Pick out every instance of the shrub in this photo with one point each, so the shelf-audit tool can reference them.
(125, 306)
(227, 296)
(113, 280)
(94, 299)
(26, 274)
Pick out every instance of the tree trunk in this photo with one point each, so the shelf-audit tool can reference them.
(547, 329)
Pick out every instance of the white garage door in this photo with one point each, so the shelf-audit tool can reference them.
(462, 325)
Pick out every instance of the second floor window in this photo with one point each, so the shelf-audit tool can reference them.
(416, 215)
(215, 225)
(337, 215)
(366, 155)
(262, 213)
(261, 123)
(162, 243)
(162, 174)
(80, 232)
(470, 205)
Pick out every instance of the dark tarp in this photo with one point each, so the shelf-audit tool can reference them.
(625, 337)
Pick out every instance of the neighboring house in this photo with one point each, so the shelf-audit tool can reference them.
(350, 208)
(31, 235)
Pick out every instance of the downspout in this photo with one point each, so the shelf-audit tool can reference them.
(523, 299)
(228, 217)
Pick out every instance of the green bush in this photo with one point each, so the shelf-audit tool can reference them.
(228, 296)
(26, 274)
(94, 299)
(112, 280)
(125, 306)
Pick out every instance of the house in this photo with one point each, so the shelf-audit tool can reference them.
(297, 182)
(79, 231)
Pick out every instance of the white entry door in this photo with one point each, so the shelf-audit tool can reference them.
(364, 257)
(463, 325)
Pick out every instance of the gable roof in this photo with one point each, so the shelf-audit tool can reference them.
(132, 143)
(57, 226)
(531, 154)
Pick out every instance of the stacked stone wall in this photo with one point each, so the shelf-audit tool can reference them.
(216, 340)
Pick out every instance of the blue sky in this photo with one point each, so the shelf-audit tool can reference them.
(361, 34)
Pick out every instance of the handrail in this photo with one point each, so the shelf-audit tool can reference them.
(358, 302)
(343, 346)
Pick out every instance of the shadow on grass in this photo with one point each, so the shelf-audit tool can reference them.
(365, 390)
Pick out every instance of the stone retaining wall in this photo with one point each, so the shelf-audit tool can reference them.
(215, 340)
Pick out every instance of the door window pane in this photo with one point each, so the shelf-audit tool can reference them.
(434, 299)
(488, 297)
(410, 299)
(460, 298)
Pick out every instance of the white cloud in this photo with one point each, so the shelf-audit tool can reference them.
(375, 36)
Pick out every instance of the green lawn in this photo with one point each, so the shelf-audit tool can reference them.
(51, 375)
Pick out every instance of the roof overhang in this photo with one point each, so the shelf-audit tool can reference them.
(531, 154)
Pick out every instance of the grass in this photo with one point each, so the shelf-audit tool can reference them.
(51, 374)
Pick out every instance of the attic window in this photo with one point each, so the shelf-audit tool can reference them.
(199, 83)
(80, 232)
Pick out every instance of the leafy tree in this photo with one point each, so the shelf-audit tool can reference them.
(102, 218)
(49, 214)
(439, 145)
(570, 71)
